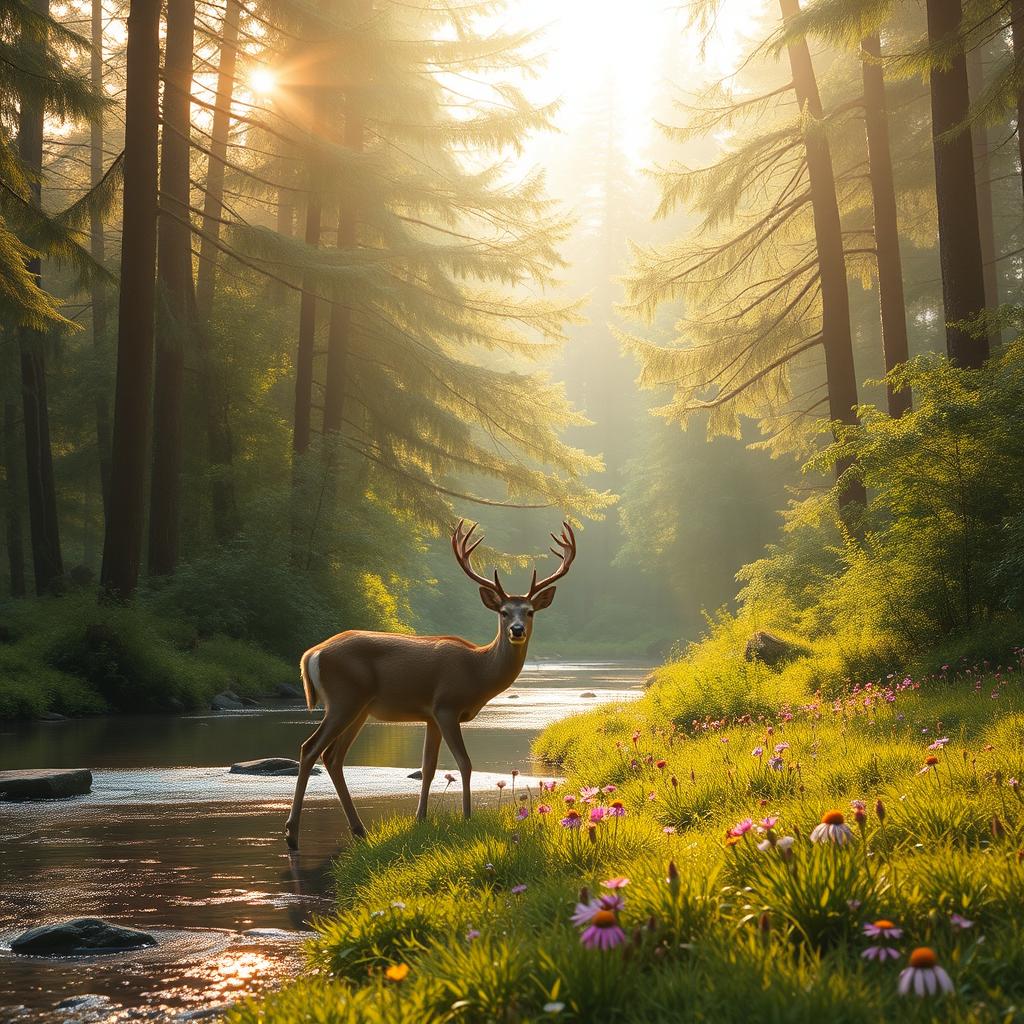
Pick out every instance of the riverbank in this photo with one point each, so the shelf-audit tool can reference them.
(743, 866)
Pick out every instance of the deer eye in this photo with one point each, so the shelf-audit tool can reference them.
(504, 614)
(530, 613)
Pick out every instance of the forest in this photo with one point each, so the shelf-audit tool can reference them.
(291, 288)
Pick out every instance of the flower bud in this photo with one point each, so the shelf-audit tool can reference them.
(673, 879)
(880, 809)
(584, 895)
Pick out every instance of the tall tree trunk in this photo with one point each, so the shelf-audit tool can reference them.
(13, 502)
(176, 307)
(338, 338)
(307, 329)
(98, 249)
(887, 239)
(835, 298)
(44, 531)
(1017, 31)
(212, 386)
(122, 543)
(980, 142)
(213, 204)
(963, 282)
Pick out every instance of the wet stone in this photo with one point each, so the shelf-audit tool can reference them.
(268, 766)
(44, 783)
(418, 774)
(588, 694)
(80, 936)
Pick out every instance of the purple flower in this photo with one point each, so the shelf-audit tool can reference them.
(757, 752)
(518, 890)
(616, 809)
(882, 930)
(597, 814)
(523, 813)
(960, 923)
(572, 820)
(881, 953)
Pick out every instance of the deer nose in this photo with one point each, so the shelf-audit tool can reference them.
(518, 629)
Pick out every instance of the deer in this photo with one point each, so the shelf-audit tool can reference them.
(442, 681)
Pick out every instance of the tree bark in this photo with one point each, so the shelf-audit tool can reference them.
(892, 307)
(98, 249)
(835, 299)
(960, 257)
(44, 531)
(219, 442)
(176, 313)
(122, 544)
(983, 174)
(14, 498)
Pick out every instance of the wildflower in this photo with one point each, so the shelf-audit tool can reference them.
(523, 813)
(960, 923)
(609, 789)
(589, 792)
(924, 975)
(397, 972)
(939, 743)
(660, 763)
(543, 809)
(572, 820)
(603, 931)
(502, 784)
(568, 799)
(636, 738)
(881, 953)
(554, 1007)
(397, 905)
(518, 890)
(780, 747)
(449, 778)
(767, 824)
(598, 814)
(472, 934)
(929, 763)
(833, 829)
(616, 809)
(669, 830)
(775, 763)
(652, 796)
(619, 882)
(880, 809)
(757, 752)
(882, 930)
(741, 828)
(515, 772)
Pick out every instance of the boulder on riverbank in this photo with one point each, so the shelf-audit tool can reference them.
(289, 691)
(769, 649)
(226, 701)
(44, 783)
(268, 766)
(80, 937)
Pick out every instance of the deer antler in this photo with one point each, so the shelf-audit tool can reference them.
(567, 542)
(463, 549)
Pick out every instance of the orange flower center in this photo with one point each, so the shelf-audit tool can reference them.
(923, 957)
(573, 814)
(931, 759)
(883, 924)
(603, 919)
(832, 818)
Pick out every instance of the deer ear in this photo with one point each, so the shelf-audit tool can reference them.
(543, 599)
(490, 599)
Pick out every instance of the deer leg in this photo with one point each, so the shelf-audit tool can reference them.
(322, 737)
(431, 745)
(334, 761)
(453, 737)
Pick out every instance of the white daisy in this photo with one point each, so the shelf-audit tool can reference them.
(833, 829)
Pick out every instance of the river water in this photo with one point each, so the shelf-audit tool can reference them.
(168, 841)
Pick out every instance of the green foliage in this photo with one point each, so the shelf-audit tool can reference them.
(75, 657)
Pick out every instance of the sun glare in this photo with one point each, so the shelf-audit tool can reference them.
(262, 81)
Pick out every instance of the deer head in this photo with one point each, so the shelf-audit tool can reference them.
(516, 611)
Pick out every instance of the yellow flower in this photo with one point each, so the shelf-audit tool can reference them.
(397, 972)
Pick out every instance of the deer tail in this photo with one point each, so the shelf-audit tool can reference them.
(309, 668)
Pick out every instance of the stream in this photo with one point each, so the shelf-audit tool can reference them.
(169, 842)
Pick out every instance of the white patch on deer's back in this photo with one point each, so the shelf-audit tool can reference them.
(313, 671)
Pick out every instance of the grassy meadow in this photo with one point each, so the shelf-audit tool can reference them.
(685, 842)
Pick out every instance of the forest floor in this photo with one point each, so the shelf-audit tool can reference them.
(809, 863)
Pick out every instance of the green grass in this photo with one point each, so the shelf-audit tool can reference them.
(75, 657)
(740, 934)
